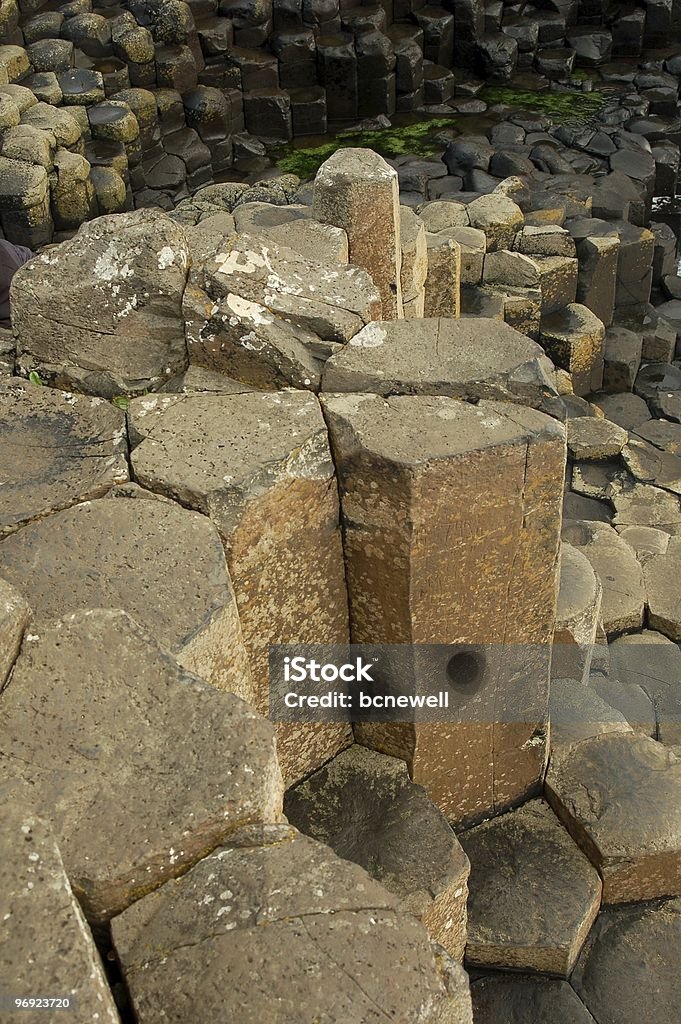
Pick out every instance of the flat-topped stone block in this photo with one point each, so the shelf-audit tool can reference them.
(139, 767)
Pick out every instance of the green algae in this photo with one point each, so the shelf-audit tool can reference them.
(417, 139)
(574, 108)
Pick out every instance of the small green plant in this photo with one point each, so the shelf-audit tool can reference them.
(121, 402)
(35, 378)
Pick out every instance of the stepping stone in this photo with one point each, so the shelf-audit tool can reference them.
(630, 699)
(137, 766)
(573, 339)
(627, 410)
(577, 615)
(14, 617)
(469, 359)
(56, 449)
(645, 540)
(591, 438)
(619, 795)
(363, 805)
(644, 505)
(533, 894)
(162, 564)
(577, 713)
(260, 467)
(224, 927)
(663, 434)
(577, 506)
(654, 380)
(653, 662)
(47, 946)
(629, 968)
(596, 479)
(523, 999)
(618, 570)
(661, 575)
(410, 471)
(125, 344)
(648, 464)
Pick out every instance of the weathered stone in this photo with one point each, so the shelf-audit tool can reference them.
(57, 449)
(622, 354)
(355, 189)
(627, 411)
(573, 338)
(414, 260)
(271, 493)
(14, 617)
(499, 217)
(634, 264)
(643, 505)
(138, 547)
(501, 999)
(645, 540)
(545, 240)
(81, 312)
(47, 946)
(630, 700)
(61, 123)
(578, 713)
(223, 926)
(597, 479)
(22, 185)
(540, 921)
(266, 315)
(443, 214)
(618, 570)
(577, 615)
(592, 438)
(138, 766)
(653, 662)
(597, 274)
(657, 382)
(661, 575)
(664, 435)
(443, 282)
(469, 359)
(503, 267)
(628, 970)
(619, 797)
(293, 227)
(409, 471)
(649, 464)
(364, 806)
(110, 191)
(72, 192)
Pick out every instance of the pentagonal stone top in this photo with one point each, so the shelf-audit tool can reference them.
(412, 430)
(163, 564)
(217, 452)
(533, 894)
(620, 796)
(226, 925)
(137, 766)
(474, 358)
(629, 968)
(47, 946)
(55, 449)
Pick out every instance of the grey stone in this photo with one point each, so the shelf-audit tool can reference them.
(573, 338)
(138, 766)
(622, 359)
(14, 617)
(57, 449)
(47, 946)
(363, 805)
(660, 572)
(577, 615)
(664, 435)
(630, 699)
(592, 438)
(653, 662)
(644, 505)
(524, 999)
(649, 464)
(223, 926)
(443, 282)
(578, 713)
(499, 217)
(627, 411)
(442, 214)
(540, 921)
(292, 226)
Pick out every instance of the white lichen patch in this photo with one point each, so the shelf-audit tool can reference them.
(370, 336)
(248, 310)
(111, 265)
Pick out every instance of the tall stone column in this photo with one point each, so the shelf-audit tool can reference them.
(451, 519)
(356, 190)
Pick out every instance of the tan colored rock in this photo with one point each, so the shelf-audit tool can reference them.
(160, 563)
(139, 767)
(429, 553)
(590, 437)
(619, 796)
(653, 662)
(414, 264)
(294, 227)
(499, 217)
(649, 464)
(14, 617)
(577, 615)
(259, 466)
(661, 576)
(618, 571)
(645, 540)
(573, 338)
(645, 505)
(442, 214)
(355, 189)
(363, 805)
(533, 894)
(55, 449)
(224, 927)
(443, 283)
(46, 946)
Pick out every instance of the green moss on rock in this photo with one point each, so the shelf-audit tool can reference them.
(564, 107)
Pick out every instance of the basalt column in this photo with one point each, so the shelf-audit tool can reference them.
(259, 465)
(355, 189)
(451, 517)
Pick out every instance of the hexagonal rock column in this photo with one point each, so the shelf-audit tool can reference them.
(629, 968)
(653, 662)
(356, 190)
(619, 795)
(228, 927)
(573, 338)
(577, 616)
(269, 316)
(533, 894)
(434, 554)
(259, 465)
(102, 312)
(14, 617)
(164, 565)
(139, 767)
(469, 359)
(47, 946)
(56, 449)
(363, 805)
